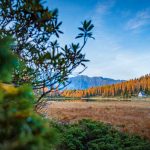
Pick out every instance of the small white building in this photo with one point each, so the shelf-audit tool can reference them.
(141, 94)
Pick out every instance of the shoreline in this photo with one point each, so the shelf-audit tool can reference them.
(98, 99)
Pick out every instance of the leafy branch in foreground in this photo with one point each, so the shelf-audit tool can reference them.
(34, 27)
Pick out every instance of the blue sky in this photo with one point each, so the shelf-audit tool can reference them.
(121, 49)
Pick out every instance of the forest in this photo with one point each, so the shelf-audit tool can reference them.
(125, 89)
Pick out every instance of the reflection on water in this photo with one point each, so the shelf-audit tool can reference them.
(87, 100)
(96, 99)
(104, 100)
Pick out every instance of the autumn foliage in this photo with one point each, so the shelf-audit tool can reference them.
(124, 89)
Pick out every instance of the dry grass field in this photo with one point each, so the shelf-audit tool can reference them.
(131, 117)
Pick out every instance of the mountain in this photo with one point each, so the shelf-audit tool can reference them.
(84, 82)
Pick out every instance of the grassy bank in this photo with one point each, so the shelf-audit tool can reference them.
(127, 116)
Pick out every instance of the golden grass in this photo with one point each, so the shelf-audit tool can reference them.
(131, 117)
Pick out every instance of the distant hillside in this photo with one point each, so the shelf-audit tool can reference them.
(84, 82)
(123, 89)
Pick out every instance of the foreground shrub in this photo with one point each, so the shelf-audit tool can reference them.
(91, 135)
(20, 127)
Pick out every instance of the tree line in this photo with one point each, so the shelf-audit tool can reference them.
(123, 89)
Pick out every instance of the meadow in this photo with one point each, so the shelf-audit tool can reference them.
(126, 116)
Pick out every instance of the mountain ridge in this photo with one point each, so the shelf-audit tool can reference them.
(84, 82)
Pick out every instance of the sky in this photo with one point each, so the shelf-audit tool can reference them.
(121, 49)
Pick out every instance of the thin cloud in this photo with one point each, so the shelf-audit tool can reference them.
(119, 65)
(140, 20)
(104, 7)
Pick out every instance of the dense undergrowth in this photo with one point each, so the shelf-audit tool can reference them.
(92, 135)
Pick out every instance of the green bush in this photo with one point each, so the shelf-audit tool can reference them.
(91, 135)
(20, 127)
